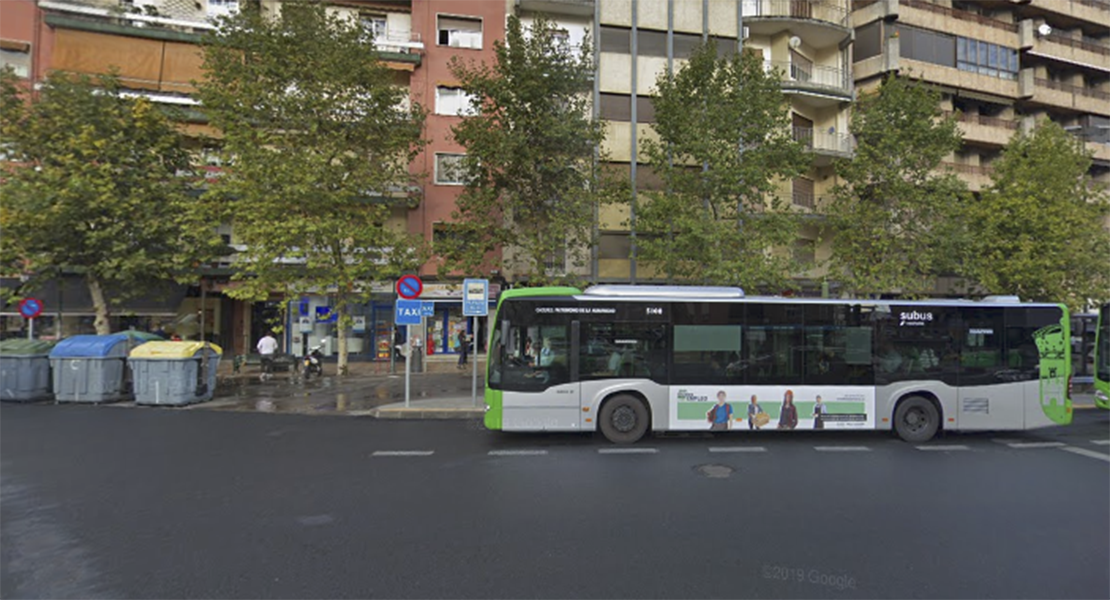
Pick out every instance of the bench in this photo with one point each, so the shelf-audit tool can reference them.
(280, 362)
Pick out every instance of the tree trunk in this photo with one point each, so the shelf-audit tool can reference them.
(100, 305)
(341, 334)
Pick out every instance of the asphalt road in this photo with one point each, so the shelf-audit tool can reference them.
(106, 502)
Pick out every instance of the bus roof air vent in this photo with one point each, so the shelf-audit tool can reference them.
(1002, 299)
(654, 291)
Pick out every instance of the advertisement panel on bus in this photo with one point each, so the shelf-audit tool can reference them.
(783, 407)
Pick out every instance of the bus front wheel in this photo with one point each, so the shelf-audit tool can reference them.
(916, 420)
(623, 419)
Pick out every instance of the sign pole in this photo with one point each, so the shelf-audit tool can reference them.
(408, 371)
(30, 329)
(474, 380)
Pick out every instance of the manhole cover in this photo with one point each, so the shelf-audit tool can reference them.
(715, 471)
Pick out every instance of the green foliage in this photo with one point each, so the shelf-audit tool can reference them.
(318, 135)
(1040, 229)
(96, 186)
(894, 217)
(531, 173)
(724, 141)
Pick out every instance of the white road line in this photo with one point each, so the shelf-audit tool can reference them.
(738, 449)
(1101, 442)
(941, 448)
(842, 448)
(1005, 441)
(403, 452)
(517, 452)
(1027, 445)
(1086, 452)
(627, 451)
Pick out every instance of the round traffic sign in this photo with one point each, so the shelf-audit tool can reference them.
(30, 308)
(409, 287)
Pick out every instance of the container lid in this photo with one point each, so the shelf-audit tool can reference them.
(25, 347)
(173, 350)
(90, 346)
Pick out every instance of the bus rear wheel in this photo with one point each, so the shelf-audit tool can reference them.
(623, 419)
(916, 420)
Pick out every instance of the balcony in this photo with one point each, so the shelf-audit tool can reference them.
(826, 144)
(400, 49)
(977, 177)
(1076, 50)
(1092, 11)
(992, 131)
(1063, 95)
(820, 23)
(960, 15)
(817, 85)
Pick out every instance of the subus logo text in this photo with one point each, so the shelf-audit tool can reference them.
(915, 318)
(688, 396)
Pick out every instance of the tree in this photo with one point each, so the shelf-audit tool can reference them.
(1040, 228)
(894, 216)
(96, 186)
(529, 166)
(318, 135)
(724, 143)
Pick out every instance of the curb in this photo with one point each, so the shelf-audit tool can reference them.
(422, 413)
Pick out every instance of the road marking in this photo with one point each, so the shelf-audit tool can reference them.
(842, 448)
(1086, 452)
(1101, 442)
(403, 452)
(1027, 445)
(517, 452)
(738, 449)
(940, 448)
(1005, 441)
(627, 451)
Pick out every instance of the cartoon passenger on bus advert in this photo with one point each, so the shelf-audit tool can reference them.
(720, 416)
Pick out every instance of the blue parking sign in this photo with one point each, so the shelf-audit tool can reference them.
(407, 312)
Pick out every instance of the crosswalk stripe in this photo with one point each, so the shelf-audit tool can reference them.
(1086, 452)
(627, 451)
(738, 449)
(517, 452)
(403, 452)
(940, 448)
(1101, 442)
(842, 448)
(1028, 445)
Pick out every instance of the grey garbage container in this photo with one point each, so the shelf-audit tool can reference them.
(25, 370)
(92, 368)
(174, 373)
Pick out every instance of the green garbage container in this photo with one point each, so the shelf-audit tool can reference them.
(174, 373)
(25, 370)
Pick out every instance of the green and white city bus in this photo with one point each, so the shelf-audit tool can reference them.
(1102, 358)
(632, 359)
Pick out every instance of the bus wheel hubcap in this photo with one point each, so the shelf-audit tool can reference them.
(915, 419)
(624, 418)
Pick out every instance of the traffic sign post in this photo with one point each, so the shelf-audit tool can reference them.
(30, 308)
(475, 304)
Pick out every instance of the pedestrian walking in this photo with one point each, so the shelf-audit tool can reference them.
(464, 348)
(267, 346)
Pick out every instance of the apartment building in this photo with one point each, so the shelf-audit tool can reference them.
(638, 40)
(1001, 65)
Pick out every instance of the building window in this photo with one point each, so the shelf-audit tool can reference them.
(375, 24)
(16, 55)
(460, 32)
(556, 262)
(803, 192)
(614, 245)
(927, 46)
(222, 8)
(801, 68)
(454, 101)
(449, 169)
(986, 59)
(868, 41)
(805, 252)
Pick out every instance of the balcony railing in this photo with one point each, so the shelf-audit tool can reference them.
(814, 74)
(821, 140)
(403, 42)
(1082, 44)
(803, 199)
(828, 11)
(968, 169)
(988, 121)
(961, 15)
(1073, 89)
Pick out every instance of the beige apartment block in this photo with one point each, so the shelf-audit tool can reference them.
(1001, 66)
(636, 41)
